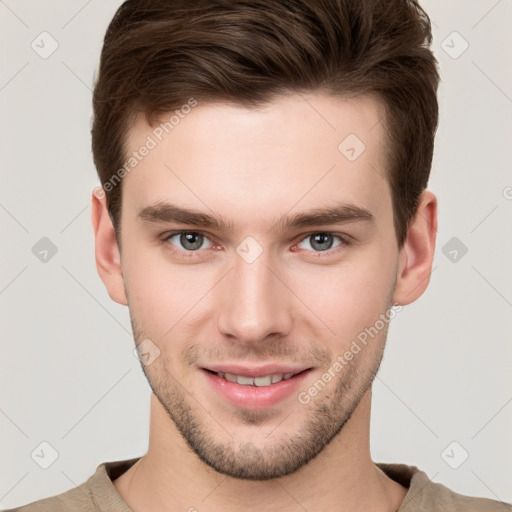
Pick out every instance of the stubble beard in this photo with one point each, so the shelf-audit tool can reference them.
(325, 416)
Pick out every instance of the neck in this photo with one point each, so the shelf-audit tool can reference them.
(342, 477)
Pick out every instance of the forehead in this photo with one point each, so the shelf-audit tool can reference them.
(298, 151)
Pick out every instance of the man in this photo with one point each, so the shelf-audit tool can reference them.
(263, 208)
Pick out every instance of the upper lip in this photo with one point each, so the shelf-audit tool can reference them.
(256, 371)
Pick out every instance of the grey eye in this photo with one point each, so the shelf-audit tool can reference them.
(188, 240)
(320, 241)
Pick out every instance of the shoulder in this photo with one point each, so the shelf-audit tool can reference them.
(439, 497)
(428, 496)
(97, 493)
(72, 500)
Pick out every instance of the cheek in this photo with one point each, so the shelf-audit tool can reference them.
(160, 294)
(350, 297)
(346, 297)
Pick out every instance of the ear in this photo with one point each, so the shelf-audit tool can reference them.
(108, 258)
(417, 254)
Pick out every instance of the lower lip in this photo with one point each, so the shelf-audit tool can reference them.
(255, 397)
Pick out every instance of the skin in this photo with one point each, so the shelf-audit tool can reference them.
(294, 304)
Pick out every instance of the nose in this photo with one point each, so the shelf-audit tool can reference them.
(254, 303)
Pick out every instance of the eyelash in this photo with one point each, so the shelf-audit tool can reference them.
(344, 242)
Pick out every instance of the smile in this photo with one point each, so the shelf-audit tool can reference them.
(266, 380)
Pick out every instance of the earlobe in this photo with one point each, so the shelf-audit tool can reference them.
(108, 258)
(417, 254)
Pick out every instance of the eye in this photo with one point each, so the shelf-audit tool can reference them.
(320, 242)
(188, 241)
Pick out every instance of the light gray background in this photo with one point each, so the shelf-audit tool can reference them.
(68, 373)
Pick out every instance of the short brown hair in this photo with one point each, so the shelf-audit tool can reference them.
(157, 54)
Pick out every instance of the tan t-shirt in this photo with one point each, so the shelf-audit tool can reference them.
(98, 493)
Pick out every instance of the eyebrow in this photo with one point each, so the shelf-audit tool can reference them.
(161, 213)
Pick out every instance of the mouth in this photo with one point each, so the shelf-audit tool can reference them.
(263, 381)
(255, 388)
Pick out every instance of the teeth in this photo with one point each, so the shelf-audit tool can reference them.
(245, 381)
(263, 381)
(267, 380)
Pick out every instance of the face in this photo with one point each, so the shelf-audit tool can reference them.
(258, 244)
